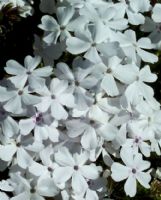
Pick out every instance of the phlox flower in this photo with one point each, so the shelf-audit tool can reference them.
(62, 28)
(80, 80)
(87, 41)
(133, 48)
(75, 168)
(56, 98)
(132, 170)
(16, 99)
(28, 73)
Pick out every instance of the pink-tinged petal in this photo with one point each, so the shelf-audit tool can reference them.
(119, 172)
(76, 45)
(79, 183)
(130, 186)
(144, 179)
(62, 174)
(89, 171)
(26, 126)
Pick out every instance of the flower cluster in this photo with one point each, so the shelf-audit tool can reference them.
(82, 105)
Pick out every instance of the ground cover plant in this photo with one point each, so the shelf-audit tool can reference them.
(80, 114)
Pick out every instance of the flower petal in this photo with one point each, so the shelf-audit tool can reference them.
(130, 186)
(119, 172)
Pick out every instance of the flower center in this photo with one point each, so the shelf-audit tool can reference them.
(50, 169)
(39, 118)
(53, 96)
(93, 44)
(136, 140)
(134, 171)
(62, 28)
(76, 167)
(32, 190)
(28, 73)
(76, 83)
(20, 92)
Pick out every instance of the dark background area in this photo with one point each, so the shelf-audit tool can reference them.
(17, 34)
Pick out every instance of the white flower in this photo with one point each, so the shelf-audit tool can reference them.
(137, 140)
(8, 124)
(138, 89)
(132, 170)
(88, 41)
(8, 151)
(56, 98)
(84, 129)
(35, 77)
(74, 167)
(81, 80)
(44, 127)
(133, 48)
(61, 28)
(28, 189)
(16, 99)
(156, 14)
